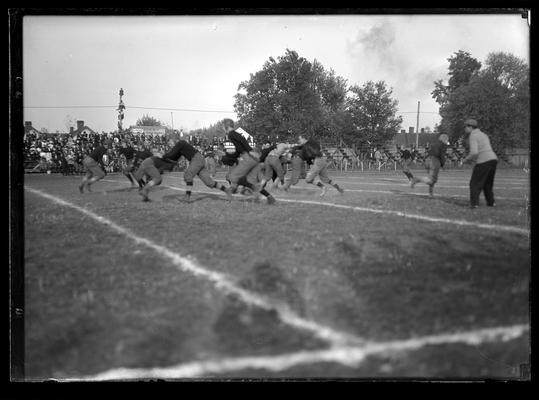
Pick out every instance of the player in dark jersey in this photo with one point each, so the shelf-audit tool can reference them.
(435, 161)
(154, 167)
(311, 153)
(248, 160)
(93, 163)
(406, 160)
(133, 159)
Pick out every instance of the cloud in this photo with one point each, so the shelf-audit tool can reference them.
(376, 48)
(385, 52)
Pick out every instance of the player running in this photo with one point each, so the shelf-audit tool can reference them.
(273, 165)
(93, 163)
(435, 161)
(133, 159)
(406, 160)
(310, 152)
(155, 166)
(248, 161)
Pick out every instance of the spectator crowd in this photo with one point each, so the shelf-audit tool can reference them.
(63, 153)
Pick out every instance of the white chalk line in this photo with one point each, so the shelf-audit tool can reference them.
(361, 178)
(220, 281)
(438, 185)
(503, 228)
(408, 193)
(349, 356)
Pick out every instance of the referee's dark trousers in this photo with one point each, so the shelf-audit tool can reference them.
(483, 180)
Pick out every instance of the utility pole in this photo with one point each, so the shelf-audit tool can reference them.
(172, 119)
(121, 108)
(417, 127)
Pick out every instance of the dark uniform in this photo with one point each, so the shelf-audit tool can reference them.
(154, 167)
(435, 160)
(406, 160)
(311, 153)
(133, 159)
(247, 169)
(95, 170)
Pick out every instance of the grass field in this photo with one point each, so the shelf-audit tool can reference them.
(382, 282)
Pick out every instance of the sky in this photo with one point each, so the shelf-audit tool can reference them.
(74, 66)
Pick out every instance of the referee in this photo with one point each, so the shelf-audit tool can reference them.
(485, 160)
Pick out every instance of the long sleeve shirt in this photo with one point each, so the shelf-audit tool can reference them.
(97, 153)
(437, 149)
(128, 152)
(142, 155)
(480, 148)
(182, 148)
(239, 142)
(265, 152)
(310, 151)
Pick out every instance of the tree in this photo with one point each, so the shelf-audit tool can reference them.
(291, 95)
(214, 130)
(373, 113)
(496, 96)
(146, 120)
(462, 66)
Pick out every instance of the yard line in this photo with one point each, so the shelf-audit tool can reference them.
(349, 356)
(410, 193)
(438, 185)
(220, 281)
(503, 228)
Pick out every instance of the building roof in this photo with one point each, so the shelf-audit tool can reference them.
(408, 139)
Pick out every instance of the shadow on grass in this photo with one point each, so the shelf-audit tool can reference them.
(180, 198)
(449, 200)
(124, 190)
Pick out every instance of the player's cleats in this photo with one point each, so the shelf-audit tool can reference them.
(144, 194)
(81, 188)
(88, 187)
(323, 192)
(341, 190)
(271, 200)
(412, 183)
(228, 192)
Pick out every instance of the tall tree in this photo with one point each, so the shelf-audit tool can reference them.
(291, 95)
(497, 96)
(214, 130)
(373, 113)
(462, 67)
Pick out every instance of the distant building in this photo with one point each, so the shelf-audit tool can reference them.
(148, 130)
(404, 138)
(81, 129)
(29, 129)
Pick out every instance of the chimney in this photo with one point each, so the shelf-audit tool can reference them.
(71, 130)
(422, 130)
(80, 125)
